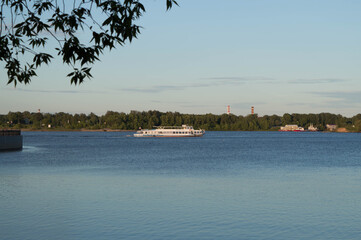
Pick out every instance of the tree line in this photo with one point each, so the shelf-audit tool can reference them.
(148, 119)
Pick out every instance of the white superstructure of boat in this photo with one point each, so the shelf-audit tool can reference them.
(167, 131)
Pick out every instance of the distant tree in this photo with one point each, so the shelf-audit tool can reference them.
(357, 125)
(15, 117)
(93, 121)
(26, 117)
(287, 119)
(25, 28)
(275, 121)
(47, 120)
(241, 124)
(264, 123)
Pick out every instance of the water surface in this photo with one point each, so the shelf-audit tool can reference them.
(225, 185)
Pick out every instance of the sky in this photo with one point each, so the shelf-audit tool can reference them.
(280, 56)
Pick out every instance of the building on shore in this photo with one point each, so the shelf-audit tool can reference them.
(291, 128)
(312, 128)
(331, 127)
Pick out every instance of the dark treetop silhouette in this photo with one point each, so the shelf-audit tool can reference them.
(135, 119)
(25, 26)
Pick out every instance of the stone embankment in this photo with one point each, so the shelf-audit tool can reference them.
(10, 140)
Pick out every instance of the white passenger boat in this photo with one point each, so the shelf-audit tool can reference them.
(165, 131)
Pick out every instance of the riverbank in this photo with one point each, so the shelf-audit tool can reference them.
(339, 130)
(74, 130)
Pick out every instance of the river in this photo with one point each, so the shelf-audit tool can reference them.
(225, 185)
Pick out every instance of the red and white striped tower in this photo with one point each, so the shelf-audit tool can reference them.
(228, 109)
(252, 110)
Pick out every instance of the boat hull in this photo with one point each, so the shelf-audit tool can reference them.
(165, 136)
(291, 130)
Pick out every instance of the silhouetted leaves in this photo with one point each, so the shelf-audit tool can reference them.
(78, 76)
(41, 58)
(170, 4)
(27, 25)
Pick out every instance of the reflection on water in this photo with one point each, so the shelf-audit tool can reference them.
(31, 149)
(225, 185)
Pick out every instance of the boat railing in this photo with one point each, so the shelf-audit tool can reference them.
(169, 127)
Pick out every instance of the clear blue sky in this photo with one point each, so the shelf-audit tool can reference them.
(279, 56)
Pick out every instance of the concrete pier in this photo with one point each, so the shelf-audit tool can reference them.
(10, 140)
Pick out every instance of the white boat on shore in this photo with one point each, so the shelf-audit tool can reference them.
(167, 131)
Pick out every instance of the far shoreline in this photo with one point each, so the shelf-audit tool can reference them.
(75, 130)
(340, 130)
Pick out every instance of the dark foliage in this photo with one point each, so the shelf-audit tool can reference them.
(25, 26)
(135, 120)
